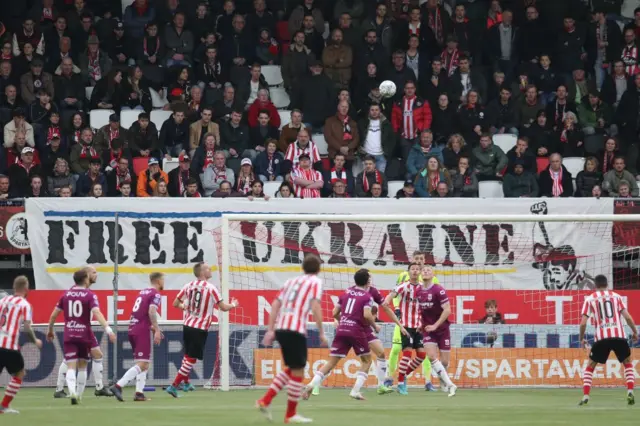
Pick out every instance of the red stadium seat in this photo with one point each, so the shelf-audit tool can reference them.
(285, 48)
(282, 31)
(326, 164)
(543, 163)
(140, 164)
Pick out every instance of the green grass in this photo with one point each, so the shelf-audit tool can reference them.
(332, 407)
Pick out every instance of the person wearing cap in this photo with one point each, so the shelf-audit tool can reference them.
(306, 181)
(107, 133)
(52, 152)
(90, 177)
(28, 34)
(94, 63)
(21, 172)
(34, 80)
(17, 124)
(181, 175)
(179, 42)
(316, 96)
(148, 179)
(594, 116)
(519, 183)
(120, 47)
(143, 136)
(408, 190)
(13, 153)
(245, 176)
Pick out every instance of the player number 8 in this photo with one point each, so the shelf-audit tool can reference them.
(136, 305)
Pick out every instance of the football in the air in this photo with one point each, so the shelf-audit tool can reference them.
(387, 88)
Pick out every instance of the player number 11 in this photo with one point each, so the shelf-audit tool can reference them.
(348, 309)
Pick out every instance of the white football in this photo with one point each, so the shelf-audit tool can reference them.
(387, 88)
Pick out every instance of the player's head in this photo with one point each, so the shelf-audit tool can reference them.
(93, 274)
(202, 271)
(362, 277)
(418, 257)
(21, 286)
(157, 280)
(601, 281)
(491, 307)
(81, 277)
(427, 273)
(414, 271)
(311, 264)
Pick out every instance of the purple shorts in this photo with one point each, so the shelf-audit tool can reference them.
(77, 350)
(371, 335)
(94, 341)
(441, 337)
(140, 344)
(343, 343)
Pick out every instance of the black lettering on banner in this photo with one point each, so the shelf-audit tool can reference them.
(111, 243)
(505, 243)
(308, 242)
(492, 244)
(248, 229)
(269, 225)
(356, 251)
(291, 242)
(336, 243)
(96, 242)
(463, 247)
(55, 239)
(182, 242)
(144, 243)
(398, 246)
(425, 242)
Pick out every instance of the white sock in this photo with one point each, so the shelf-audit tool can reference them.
(62, 376)
(97, 373)
(129, 376)
(317, 380)
(381, 370)
(441, 372)
(361, 377)
(82, 381)
(141, 381)
(71, 382)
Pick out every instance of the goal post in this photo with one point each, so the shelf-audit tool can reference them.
(536, 267)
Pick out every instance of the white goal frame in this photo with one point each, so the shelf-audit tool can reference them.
(439, 218)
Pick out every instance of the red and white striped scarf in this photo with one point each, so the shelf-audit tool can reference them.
(556, 188)
(88, 151)
(365, 182)
(408, 129)
(450, 61)
(53, 130)
(630, 59)
(113, 134)
(435, 23)
(182, 180)
(606, 160)
(335, 177)
(208, 159)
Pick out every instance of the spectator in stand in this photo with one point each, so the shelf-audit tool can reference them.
(341, 134)
(300, 12)
(13, 152)
(201, 128)
(450, 56)
(289, 133)
(214, 168)
(369, 176)
(615, 84)
(456, 148)
(202, 24)
(410, 116)
(138, 15)
(435, 83)
(225, 190)
(268, 164)
(489, 160)
(34, 80)
(118, 171)
(589, 177)
(143, 137)
(607, 155)
(285, 191)
(546, 80)
(179, 43)
(109, 92)
(613, 178)
(180, 177)
(167, 9)
(85, 31)
(442, 190)
(315, 97)
(76, 125)
(53, 41)
(352, 34)
(161, 189)
(120, 47)
(22, 171)
(519, 183)
(267, 48)
(295, 62)
(149, 53)
(313, 38)
(148, 179)
(557, 111)
(400, 74)
(472, 120)
(94, 63)
(339, 173)
(379, 140)
(97, 191)
(421, 152)
(245, 177)
(238, 48)
(36, 187)
(624, 190)
(463, 180)
(607, 46)
(502, 114)
(83, 152)
(178, 90)
(555, 180)
(595, 116)
(222, 107)
(264, 130)
(249, 88)
(570, 47)
(61, 178)
(4, 187)
(22, 63)
(224, 21)
(75, 14)
(529, 108)
(209, 74)
(337, 59)
(262, 103)
(92, 176)
(630, 56)
(338, 189)
(569, 138)
(10, 102)
(107, 133)
(17, 124)
(137, 90)
(194, 105)
(174, 134)
(371, 52)
(66, 192)
(306, 181)
(368, 89)
(51, 153)
(521, 152)
(444, 119)
(408, 190)
(579, 87)
(28, 34)
(302, 146)
(39, 113)
(69, 90)
(192, 190)
(465, 79)
(502, 44)
(427, 180)
(234, 138)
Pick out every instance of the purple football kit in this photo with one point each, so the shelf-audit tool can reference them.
(77, 304)
(140, 324)
(352, 330)
(431, 300)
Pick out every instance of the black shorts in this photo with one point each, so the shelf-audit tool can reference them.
(12, 361)
(602, 348)
(194, 342)
(414, 342)
(294, 348)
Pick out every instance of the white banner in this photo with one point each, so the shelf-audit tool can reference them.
(171, 235)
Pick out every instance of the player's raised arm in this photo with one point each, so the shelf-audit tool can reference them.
(103, 322)
(390, 297)
(394, 318)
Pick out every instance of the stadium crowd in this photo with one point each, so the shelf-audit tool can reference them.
(553, 80)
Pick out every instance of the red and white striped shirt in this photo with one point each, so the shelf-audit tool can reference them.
(308, 174)
(408, 129)
(630, 59)
(200, 298)
(294, 152)
(409, 304)
(605, 310)
(14, 311)
(296, 297)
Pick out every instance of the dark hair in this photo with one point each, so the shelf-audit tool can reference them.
(412, 264)
(116, 143)
(80, 275)
(264, 111)
(601, 281)
(619, 157)
(311, 264)
(361, 277)
(369, 157)
(192, 181)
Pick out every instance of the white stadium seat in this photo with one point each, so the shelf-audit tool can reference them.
(128, 117)
(99, 117)
(285, 117)
(279, 97)
(270, 188)
(156, 100)
(505, 142)
(168, 165)
(321, 143)
(394, 187)
(158, 117)
(490, 189)
(88, 91)
(574, 165)
(273, 75)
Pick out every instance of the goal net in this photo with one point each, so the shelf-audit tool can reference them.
(536, 268)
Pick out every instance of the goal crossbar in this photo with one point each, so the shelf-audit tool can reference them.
(433, 218)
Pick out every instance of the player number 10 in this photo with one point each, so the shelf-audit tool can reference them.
(75, 308)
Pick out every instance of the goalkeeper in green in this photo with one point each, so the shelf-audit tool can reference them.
(396, 348)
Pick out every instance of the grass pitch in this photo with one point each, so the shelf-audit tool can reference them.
(333, 407)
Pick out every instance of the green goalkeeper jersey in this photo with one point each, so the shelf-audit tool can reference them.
(404, 276)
